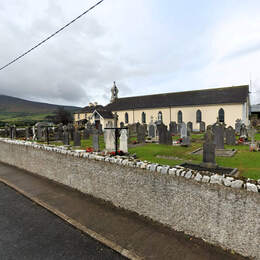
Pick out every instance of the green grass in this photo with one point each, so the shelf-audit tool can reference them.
(247, 162)
(16, 116)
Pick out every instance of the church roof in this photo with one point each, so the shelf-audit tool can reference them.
(104, 113)
(228, 95)
(90, 109)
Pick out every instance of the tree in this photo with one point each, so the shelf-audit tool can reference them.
(62, 116)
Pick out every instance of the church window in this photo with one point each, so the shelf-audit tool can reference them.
(143, 118)
(198, 116)
(126, 118)
(221, 115)
(160, 116)
(179, 117)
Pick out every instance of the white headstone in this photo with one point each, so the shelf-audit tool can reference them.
(109, 137)
(123, 141)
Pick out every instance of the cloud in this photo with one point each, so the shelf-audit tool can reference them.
(145, 46)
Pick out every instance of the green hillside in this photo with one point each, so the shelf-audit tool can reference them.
(15, 110)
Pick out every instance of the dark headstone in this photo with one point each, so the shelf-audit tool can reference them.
(218, 130)
(77, 139)
(100, 129)
(122, 124)
(141, 132)
(27, 132)
(152, 130)
(165, 136)
(173, 128)
(209, 150)
(13, 132)
(86, 133)
(202, 127)
(66, 138)
(190, 126)
(230, 136)
(95, 140)
(71, 130)
(59, 132)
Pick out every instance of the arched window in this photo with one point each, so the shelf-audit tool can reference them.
(126, 118)
(179, 117)
(143, 118)
(160, 116)
(198, 116)
(221, 115)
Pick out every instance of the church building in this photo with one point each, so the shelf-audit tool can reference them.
(226, 104)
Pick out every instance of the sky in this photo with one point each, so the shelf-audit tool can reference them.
(146, 46)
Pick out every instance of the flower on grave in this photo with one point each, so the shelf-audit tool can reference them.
(89, 149)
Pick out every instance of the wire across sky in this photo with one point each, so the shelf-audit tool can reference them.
(50, 36)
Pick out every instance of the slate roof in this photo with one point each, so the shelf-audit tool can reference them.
(105, 113)
(89, 109)
(227, 95)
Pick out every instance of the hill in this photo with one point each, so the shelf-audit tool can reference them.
(14, 109)
(13, 104)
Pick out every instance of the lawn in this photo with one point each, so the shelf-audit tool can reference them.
(247, 162)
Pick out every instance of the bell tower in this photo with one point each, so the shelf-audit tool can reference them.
(114, 93)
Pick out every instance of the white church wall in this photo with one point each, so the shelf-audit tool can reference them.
(209, 114)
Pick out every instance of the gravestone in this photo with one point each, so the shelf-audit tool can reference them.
(123, 141)
(77, 138)
(230, 136)
(110, 141)
(183, 130)
(152, 128)
(251, 132)
(243, 132)
(186, 139)
(165, 136)
(218, 130)
(190, 126)
(39, 130)
(13, 132)
(34, 133)
(141, 131)
(209, 150)
(59, 132)
(173, 128)
(86, 133)
(202, 127)
(66, 138)
(238, 126)
(7, 131)
(100, 129)
(122, 124)
(95, 140)
(71, 130)
(179, 125)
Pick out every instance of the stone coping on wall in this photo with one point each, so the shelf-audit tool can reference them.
(199, 176)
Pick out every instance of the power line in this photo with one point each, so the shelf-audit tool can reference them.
(52, 35)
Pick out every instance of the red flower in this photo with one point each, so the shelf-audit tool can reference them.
(89, 150)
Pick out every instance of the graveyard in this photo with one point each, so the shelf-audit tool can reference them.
(167, 148)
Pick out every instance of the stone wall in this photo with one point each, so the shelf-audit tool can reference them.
(221, 215)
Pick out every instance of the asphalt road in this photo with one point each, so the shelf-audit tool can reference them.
(28, 231)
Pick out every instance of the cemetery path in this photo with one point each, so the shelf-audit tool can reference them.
(133, 236)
